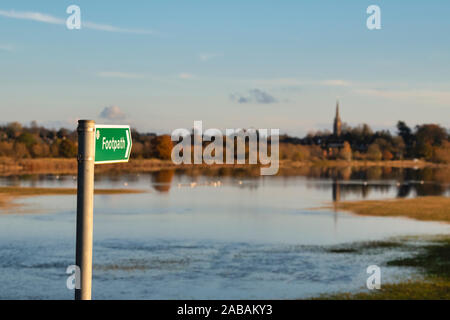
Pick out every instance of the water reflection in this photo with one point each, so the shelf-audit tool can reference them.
(336, 194)
(342, 182)
(162, 180)
(346, 182)
(336, 191)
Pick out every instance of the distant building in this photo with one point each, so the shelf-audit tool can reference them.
(337, 128)
(335, 143)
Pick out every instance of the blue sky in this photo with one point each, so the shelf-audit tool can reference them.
(160, 65)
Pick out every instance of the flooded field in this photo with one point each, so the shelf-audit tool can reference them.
(203, 236)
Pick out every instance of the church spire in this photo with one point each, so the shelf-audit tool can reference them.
(337, 122)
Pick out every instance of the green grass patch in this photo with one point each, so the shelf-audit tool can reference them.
(438, 289)
(363, 247)
(432, 260)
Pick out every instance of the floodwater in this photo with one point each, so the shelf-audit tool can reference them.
(195, 236)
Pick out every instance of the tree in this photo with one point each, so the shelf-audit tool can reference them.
(27, 139)
(431, 133)
(424, 150)
(62, 133)
(67, 149)
(13, 129)
(163, 147)
(429, 137)
(346, 152)
(387, 155)
(374, 152)
(442, 154)
(39, 150)
(6, 148)
(20, 150)
(54, 149)
(398, 147)
(405, 132)
(137, 150)
(366, 130)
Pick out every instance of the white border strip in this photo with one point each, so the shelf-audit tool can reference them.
(112, 126)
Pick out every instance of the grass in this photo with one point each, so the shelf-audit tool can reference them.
(11, 166)
(432, 260)
(409, 290)
(363, 247)
(432, 208)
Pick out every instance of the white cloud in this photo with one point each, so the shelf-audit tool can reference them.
(422, 95)
(439, 94)
(295, 82)
(46, 18)
(185, 76)
(335, 83)
(112, 113)
(120, 75)
(35, 16)
(254, 96)
(109, 28)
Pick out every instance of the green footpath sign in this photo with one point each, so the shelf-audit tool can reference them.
(112, 143)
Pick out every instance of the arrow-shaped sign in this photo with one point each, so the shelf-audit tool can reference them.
(112, 143)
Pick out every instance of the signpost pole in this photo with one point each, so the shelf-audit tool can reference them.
(96, 144)
(85, 206)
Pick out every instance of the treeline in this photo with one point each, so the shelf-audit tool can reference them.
(35, 141)
(430, 142)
